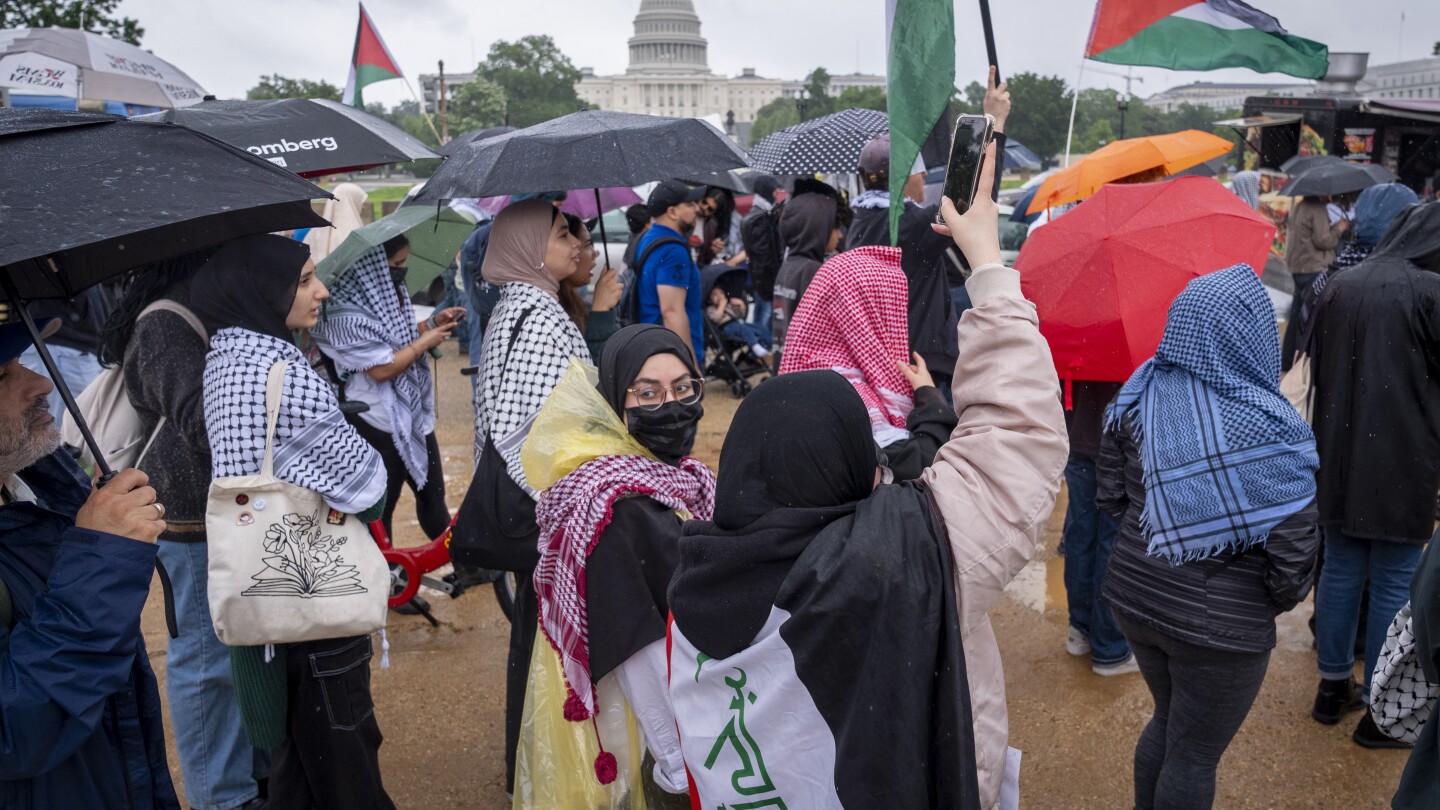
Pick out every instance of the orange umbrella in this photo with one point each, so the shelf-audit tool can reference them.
(1166, 154)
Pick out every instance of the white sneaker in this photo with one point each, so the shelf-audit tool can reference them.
(1125, 667)
(1076, 643)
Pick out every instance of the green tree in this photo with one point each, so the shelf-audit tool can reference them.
(1040, 112)
(866, 98)
(277, 86)
(817, 100)
(1436, 52)
(773, 117)
(476, 104)
(1095, 136)
(537, 79)
(98, 17)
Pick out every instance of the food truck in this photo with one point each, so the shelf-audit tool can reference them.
(1403, 135)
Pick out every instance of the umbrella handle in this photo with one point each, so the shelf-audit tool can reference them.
(18, 305)
(600, 218)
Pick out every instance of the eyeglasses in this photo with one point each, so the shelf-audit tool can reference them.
(685, 392)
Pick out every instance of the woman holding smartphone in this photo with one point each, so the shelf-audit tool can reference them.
(370, 332)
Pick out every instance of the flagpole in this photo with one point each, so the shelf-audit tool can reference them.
(426, 115)
(1074, 103)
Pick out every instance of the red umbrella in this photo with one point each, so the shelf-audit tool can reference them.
(1103, 275)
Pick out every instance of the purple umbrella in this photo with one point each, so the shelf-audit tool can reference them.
(580, 202)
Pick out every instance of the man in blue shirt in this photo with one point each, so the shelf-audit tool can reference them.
(668, 291)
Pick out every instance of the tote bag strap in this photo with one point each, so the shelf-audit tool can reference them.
(272, 414)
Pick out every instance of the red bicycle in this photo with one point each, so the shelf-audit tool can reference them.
(410, 568)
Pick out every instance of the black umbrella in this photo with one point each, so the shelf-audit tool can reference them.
(91, 196)
(308, 136)
(830, 143)
(473, 136)
(1333, 176)
(736, 180)
(591, 149)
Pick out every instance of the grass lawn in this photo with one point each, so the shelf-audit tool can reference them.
(388, 194)
(1010, 182)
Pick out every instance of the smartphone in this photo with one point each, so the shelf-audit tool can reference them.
(967, 158)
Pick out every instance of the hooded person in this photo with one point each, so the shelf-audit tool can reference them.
(369, 331)
(1377, 207)
(827, 626)
(610, 531)
(1377, 425)
(852, 321)
(811, 226)
(251, 295)
(1210, 474)
(1246, 186)
(528, 345)
(345, 215)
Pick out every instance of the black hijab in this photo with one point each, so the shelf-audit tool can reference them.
(250, 283)
(626, 352)
(800, 441)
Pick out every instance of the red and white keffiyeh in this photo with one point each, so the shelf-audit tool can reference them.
(572, 515)
(852, 319)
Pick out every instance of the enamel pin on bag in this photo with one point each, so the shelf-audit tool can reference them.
(284, 566)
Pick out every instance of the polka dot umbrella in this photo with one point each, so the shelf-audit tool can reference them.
(831, 143)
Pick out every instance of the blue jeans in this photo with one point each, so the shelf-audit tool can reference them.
(742, 332)
(1349, 561)
(961, 298)
(1089, 538)
(216, 757)
(760, 317)
(78, 368)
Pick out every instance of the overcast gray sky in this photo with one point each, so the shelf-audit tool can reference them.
(226, 45)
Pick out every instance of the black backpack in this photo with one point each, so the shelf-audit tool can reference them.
(763, 251)
(628, 311)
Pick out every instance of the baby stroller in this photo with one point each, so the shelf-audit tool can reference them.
(730, 361)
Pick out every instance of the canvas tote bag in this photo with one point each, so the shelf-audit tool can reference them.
(284, 566)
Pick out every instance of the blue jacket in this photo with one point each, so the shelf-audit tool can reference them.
(80, 718)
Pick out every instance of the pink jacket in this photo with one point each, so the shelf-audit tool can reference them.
(995, 482)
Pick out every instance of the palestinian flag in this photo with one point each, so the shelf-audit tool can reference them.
(371, 62)
(1200, 35)
(920, 52)
(816, 661)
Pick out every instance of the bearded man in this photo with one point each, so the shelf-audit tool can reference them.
(79, 710)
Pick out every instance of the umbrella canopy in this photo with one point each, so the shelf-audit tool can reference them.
(308, 136)
(1167, 154)
(434, 237)
(1103, 276)
(1019, 156)
(465, 139)
(830, 143)
(1300, 163)
(590, 149)
(1329, 176)
(91, 196)
(69, 62)
(740, 181)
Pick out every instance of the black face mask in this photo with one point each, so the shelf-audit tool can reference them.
(667, 431)
(397, 274)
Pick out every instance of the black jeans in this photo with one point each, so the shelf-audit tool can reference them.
(1201, 697)
(524, 623)
(430, 506)
(331, 754)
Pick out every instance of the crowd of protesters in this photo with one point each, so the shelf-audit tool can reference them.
(782, 630)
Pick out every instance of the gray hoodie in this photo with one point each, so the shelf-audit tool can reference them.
(805, 227)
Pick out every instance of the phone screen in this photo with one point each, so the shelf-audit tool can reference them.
(967, 157)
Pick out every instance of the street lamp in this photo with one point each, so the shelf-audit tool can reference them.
(1123, 105)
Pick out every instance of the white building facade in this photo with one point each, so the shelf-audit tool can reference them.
(669, 73)
(1219, 97)
(1416, 78)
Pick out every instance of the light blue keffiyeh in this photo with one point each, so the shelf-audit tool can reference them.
(1225, 456)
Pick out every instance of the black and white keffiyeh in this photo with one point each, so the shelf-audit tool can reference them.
(366, 321)
(315, 447)
(515, 381)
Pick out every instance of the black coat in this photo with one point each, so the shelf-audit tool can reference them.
(627, 575)
(1375, 363)
(931, 314)
(1227, 602)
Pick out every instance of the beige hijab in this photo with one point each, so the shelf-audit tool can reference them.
(518, 241)
(343, 212)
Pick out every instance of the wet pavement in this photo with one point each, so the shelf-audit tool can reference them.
(440, 702)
